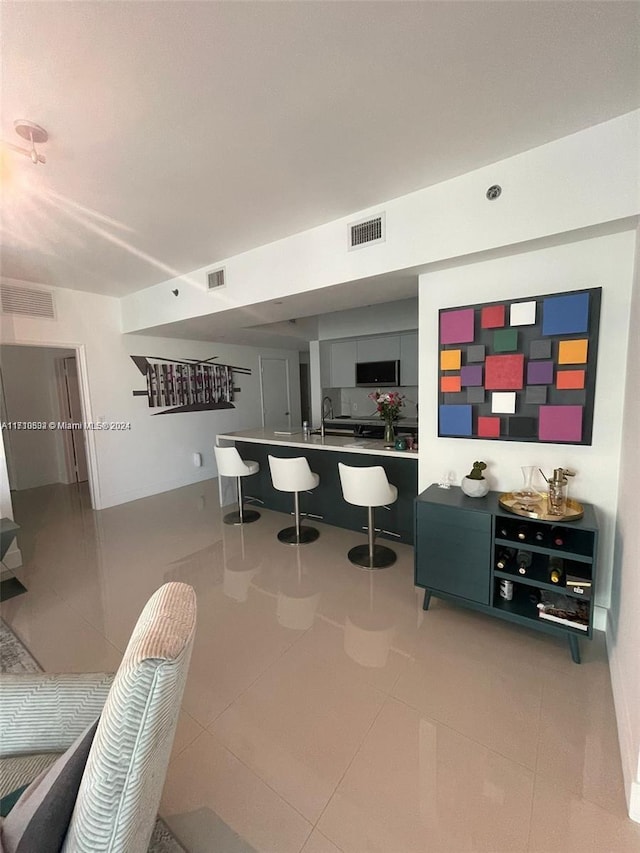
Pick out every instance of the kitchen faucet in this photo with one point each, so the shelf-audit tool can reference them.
(325, 413)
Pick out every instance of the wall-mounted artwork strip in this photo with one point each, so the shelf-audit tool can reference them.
(187, 385)
(520, 370)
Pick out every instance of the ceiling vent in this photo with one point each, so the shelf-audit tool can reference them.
(27, 302)
(216, 279)
(366, 232)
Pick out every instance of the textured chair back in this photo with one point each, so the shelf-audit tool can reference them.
(292, 475)
(366, 486)
(120, 791)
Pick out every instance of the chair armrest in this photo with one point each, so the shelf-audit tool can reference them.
(45, 712)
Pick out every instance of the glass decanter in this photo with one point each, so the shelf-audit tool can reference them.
(527, 496)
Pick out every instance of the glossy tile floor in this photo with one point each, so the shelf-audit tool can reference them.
(325, 711)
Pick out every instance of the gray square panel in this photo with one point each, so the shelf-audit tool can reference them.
(540, 349)
(536, 394)
(475, 353)
(475, 395)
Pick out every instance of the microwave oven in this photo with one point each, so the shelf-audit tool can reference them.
(378, 373)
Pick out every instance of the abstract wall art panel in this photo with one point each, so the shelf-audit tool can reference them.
(520, 370)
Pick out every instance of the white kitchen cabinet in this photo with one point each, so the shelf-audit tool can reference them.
(379, 349)
(325, 364)
(343, 364)
(409, 359)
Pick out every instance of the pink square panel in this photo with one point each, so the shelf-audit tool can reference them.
(560, 423)
(504, 372)
(457, 327)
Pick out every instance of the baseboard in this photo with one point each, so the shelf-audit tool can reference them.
(628, 755)
(106, 501)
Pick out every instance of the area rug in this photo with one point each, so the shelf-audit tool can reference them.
(16, 658)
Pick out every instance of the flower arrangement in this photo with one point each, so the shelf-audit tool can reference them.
(388, 404)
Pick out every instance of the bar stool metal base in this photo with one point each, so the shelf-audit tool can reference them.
(248, 515)
(289, 535)
(383, 557)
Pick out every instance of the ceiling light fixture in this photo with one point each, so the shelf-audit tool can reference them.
(33, 134)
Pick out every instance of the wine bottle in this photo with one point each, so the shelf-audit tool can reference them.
(503, 531)
(558, 536)
(523, 561)
(523, 533)
(555, 568)
(539, 536)
(504, 558)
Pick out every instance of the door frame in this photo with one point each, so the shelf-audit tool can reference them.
(261, 360)
(85, 404)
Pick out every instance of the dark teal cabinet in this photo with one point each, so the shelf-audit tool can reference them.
(460, 548)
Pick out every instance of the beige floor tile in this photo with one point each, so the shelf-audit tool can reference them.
(564, 822)
(214, 802)
(467, 674)
(187, 731)
(417, 785)
(578, 745)
(299, 726)
(59, 639)
(319, 843)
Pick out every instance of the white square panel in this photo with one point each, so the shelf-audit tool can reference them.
(522, 314)
(503, 402)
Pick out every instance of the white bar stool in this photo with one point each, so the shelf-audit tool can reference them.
(294, 475)
(231, 464)
(368, 487)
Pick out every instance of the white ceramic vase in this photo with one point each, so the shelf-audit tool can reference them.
(474, 488)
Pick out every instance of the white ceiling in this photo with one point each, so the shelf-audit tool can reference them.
(182, 133)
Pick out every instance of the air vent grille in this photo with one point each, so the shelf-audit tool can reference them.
(216, 278)
(366, 232)
(27, 301)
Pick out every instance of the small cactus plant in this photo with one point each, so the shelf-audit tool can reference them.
(476, 471)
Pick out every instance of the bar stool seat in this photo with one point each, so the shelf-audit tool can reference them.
(294, 475)
(231, 464)
(368, 487)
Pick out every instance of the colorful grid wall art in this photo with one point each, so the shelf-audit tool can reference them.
(520, 369)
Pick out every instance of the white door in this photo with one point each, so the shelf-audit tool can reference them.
(74, 415)
(274, 389)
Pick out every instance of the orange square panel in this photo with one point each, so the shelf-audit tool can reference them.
(573, 352)
(449, 384)
(450, 359)
(570, 379)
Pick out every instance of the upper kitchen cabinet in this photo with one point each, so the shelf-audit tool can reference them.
(379, 349)
(409, 359)
(343, 364)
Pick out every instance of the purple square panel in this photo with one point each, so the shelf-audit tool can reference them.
(456, 327)
(560, 423)
(540, 373)
(471, 374)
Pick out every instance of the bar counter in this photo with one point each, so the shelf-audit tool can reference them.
(326, 503)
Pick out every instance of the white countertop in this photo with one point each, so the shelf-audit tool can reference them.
(344, 443)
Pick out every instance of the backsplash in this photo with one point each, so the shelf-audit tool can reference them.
(355, 402)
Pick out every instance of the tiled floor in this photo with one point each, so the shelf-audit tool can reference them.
(325, 711)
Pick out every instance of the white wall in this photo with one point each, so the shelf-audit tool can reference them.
(35, 457)
(587, 178)
(623, 634)
(389, 317)
(605, 262)
(155, 455)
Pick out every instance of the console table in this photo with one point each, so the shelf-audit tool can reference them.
(466, 547)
